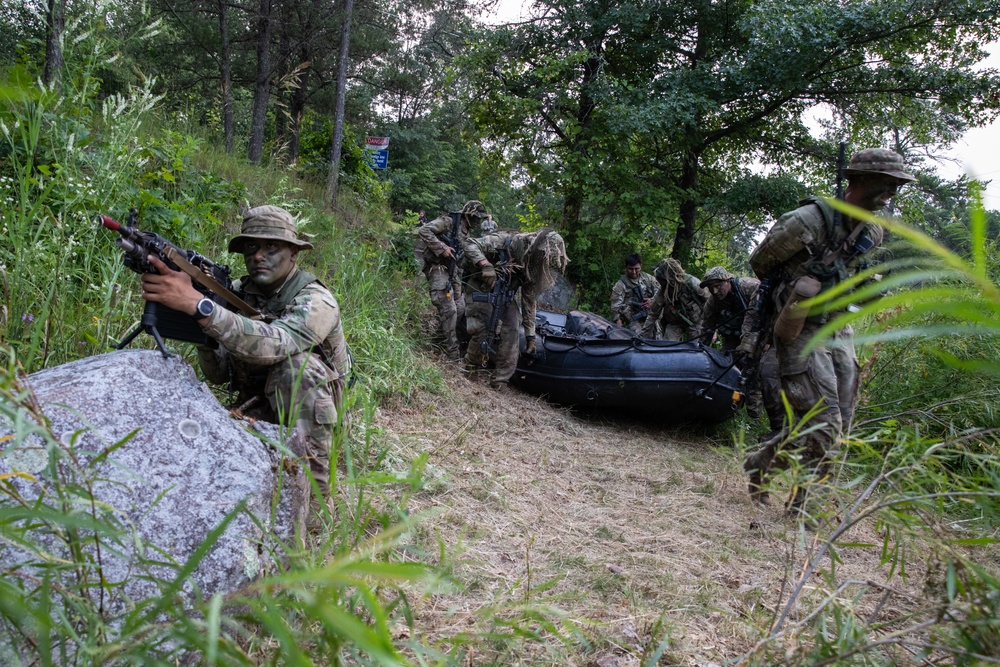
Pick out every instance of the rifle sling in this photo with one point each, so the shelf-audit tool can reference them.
(210, 283)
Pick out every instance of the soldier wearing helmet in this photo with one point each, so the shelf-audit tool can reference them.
(292, 363)
(678, 305)
(809, 250)
(529, 263)
(443, 268)
(729, 315)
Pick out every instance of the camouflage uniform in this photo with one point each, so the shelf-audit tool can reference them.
(282, 357)
(678, 306)
(733, 318)
(505, 250)
(794, 248)
(627, 291)
(444, 281)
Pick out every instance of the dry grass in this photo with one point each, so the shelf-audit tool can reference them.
(640, 524)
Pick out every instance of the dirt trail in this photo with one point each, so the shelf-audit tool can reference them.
(639, 522)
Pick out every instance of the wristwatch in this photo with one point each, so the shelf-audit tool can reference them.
(205, 308)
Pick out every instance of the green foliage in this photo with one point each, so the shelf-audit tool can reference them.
(924, 470)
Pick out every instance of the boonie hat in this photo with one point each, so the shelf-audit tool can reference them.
(879, 161)
(268, 223)
(716, 274)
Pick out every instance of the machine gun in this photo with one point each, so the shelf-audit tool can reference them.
(209, 278)
(499, 297)
(639, 312)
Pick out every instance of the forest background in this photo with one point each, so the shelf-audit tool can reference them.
(676, 129)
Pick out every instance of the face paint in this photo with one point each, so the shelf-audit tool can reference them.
(633, 271)
(876, 193)
(268, 263)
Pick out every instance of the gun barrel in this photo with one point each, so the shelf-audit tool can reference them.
(110, 223)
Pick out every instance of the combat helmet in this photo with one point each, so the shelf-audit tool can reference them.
(716, 274)
(668, 268)
(268, 223)
(878, 161)
(474, 208)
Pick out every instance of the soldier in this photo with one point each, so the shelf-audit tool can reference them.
(809, 250)
(442, 266)
(632, 296)
(729, 313)
(678, 306)
(296, 358)
(529, 261)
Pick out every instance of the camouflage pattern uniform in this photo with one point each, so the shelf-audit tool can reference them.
(625, 293)
(733, 319)
(444, 281)
(510, 251)
(282, 357)
(828, 375)
(678, 306)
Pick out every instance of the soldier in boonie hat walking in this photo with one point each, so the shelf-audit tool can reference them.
(807, 251)
(292, 363)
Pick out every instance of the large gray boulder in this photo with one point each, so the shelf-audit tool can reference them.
(188, 464)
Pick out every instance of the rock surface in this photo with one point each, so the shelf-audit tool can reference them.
(188, 464)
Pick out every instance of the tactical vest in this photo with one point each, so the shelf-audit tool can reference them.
(731, 311)
(798, 245)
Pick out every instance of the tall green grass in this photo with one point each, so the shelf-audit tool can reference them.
(922, 467)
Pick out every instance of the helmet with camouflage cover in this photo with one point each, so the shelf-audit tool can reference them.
(264, 223)
(878, 161)
(716, 274)
(474, 208)
(668, 269)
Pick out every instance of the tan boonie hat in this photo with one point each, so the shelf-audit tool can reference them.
(878, 161)
(716, 274)
(268, 222)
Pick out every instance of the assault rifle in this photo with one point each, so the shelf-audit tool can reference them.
(209, 278)
(640, 304)
(499, 297)
(454, 241)
(763, 305)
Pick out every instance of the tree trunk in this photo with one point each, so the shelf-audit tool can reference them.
(333, 179)
(263, 89)
(296, 110)
(684, 239)
(225, 67)
(55, 24)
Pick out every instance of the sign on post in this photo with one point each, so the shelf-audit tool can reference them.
(377, 151)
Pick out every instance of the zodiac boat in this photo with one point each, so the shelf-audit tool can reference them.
(583, 360)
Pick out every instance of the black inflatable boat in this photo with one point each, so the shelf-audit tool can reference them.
(584, 360)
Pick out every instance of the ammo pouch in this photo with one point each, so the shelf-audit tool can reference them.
(791, 319)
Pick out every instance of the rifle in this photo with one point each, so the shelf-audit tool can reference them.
(841, 148)
(454, 241)
(763, 305)
(499, 297)
(640, 304)
(209, 278)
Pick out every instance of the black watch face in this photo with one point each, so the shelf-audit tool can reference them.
(205, 307)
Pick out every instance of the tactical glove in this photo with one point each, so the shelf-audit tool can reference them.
(489, 274)
(747, 344)
(530, 347)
